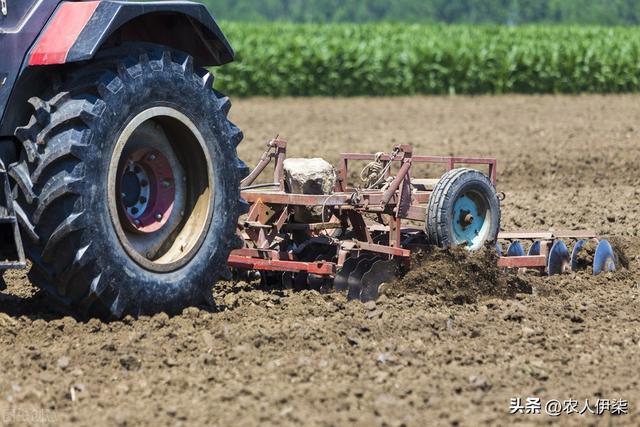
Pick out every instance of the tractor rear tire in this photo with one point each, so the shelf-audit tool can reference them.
(78, 195)
(463, 210)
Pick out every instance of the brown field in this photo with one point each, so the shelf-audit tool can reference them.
(414, 358)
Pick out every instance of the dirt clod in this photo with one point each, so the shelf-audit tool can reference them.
(458, 276)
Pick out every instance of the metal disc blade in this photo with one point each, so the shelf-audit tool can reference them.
(574, 254)
(315, 282)
(341, 281)
(355, 278)
(327, 285)
(499, 249)
(515, 249)
(534, 250)
(300, 282)
(559, 259)
(383, 271)
(604, 259)
(287, 280)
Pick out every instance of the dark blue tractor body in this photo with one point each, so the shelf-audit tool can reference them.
(112, 141)
(82, 31)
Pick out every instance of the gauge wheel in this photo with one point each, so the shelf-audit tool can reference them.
(463, 210)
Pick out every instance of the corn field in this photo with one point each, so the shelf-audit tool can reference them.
(397, 59)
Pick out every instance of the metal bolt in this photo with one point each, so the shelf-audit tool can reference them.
(134, 211)
(166, 183)
(152, 157)
(143, 199)
(158, 217)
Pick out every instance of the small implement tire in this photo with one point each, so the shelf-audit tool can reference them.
(127, 190)
(463, 210)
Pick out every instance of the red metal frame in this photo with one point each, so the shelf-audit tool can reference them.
(450, 162)
(538, 261)
(320, 268)
(353, 208)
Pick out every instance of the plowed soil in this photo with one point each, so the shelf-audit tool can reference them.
(448, 345)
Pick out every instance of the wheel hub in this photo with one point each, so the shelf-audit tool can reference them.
(161, 189)
(466, 218)
(469, 223)
(147, 191)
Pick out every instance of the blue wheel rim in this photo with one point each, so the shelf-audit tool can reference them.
(471, 220)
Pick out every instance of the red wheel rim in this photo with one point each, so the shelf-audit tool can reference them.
(146, 186)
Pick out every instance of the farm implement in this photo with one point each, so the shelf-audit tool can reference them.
(121, 184)
(334, 236)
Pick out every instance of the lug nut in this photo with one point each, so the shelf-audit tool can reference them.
(158, 217)
(134, 211)
(143, 199)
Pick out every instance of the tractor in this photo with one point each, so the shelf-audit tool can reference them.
(120, 181)
(120, 177)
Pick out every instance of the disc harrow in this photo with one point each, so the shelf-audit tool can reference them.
(548, 252)
(367, 233)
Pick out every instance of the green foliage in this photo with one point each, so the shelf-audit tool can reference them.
(601, 12)
(394, 59)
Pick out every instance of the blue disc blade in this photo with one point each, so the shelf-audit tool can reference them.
(604, 259)
(559, 259)
(534, 250)
(515, 249)
(574, 254)
(499, 249)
